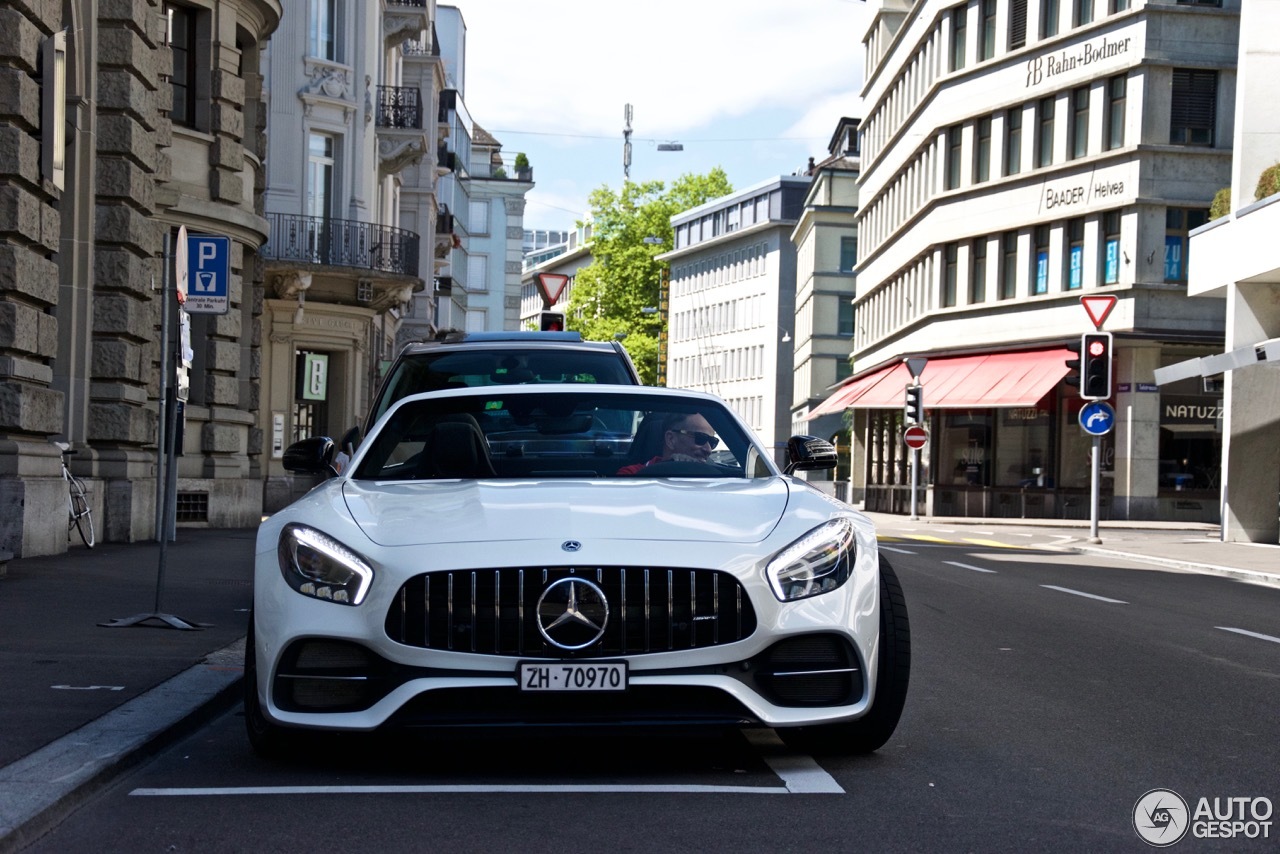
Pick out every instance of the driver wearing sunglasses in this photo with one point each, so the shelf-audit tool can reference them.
(685, 438)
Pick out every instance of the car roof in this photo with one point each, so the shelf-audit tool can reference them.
(454, 340)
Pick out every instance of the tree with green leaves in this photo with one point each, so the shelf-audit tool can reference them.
(624, 276)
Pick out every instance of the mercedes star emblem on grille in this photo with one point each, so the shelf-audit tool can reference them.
(571, 545)
(572, 613)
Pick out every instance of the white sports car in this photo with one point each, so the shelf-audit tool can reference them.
(572, 554)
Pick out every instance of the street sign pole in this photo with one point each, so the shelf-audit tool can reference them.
(915, 484)
(1094, 489)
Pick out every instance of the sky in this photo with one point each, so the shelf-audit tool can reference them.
(753, 86)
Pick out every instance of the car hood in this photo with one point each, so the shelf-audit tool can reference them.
(436, 512)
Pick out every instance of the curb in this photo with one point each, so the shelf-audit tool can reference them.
(41, 789)
(1265, 578)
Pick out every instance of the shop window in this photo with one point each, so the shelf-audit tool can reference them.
(1040, 275)
(964, 448)
(1179, 223)
(1111, 247)
(1113, 133)
(978, 271)
(1023, 447)
(1013, 141)
(1190, 437)
(1193, 108)
(1075, 254)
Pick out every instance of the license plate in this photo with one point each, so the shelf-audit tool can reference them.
(573, 676)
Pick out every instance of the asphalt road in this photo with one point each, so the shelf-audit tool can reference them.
(1049, 692)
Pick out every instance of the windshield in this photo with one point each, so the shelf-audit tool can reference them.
(467, 369)
(560, 435)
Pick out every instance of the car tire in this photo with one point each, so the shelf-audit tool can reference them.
(870, 732)
(270, 741)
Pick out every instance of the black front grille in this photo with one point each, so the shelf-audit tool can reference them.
(494, 611)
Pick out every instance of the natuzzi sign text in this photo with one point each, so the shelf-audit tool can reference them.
(1042, 68)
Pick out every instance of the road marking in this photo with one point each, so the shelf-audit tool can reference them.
(1249, 633)
(967, 566)
(991, 544)
(897, 551)
(1080, 593)
(798, 771)
(925, 538)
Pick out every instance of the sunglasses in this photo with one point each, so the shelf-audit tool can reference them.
(699, 437)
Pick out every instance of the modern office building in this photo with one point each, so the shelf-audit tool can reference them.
(826, 241)
(1233, 259)
(351, 108)
(567, 259)
(1015, 157)
(732, 302)
(122, 123)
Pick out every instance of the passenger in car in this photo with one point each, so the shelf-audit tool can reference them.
(685, 438)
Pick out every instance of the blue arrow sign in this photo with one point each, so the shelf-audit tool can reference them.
(1097, 418)
(208, 274)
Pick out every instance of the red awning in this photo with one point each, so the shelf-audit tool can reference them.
(988, 380)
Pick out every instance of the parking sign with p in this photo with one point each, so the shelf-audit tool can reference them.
(208, 274)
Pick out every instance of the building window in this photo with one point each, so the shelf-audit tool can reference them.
(1048, 18)
(1199, 2)
(982, 150)
(1119, 6)
(950, 253)
(954, 140)
(978, 271)
(1111, 247)
(1083, 12)
(1075, 254)
(479, 220)
(1040, 276)
(320, 174)
(182, 80)
(1194, 107)
(322, 39)
(844, 318)
(987, 37)
(1044, 132)
(1017, 24)
(848, 254)
(1013, 141)
(477, 273)
(1009, 265)
(1116, 97)
(1179, 223)
(959, 31)
(1079, 122)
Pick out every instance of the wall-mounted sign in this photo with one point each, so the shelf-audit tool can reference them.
(315, 376)
(1047, 67)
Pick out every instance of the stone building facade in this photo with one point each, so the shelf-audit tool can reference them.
(163, 128)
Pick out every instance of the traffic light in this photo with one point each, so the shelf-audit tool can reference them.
(913, 411)
(1073, 365)
(1095, 378)
(551, 321)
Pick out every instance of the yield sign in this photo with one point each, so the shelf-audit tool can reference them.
(552, 285)
(1098, 308)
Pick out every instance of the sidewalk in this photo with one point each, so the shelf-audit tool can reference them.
(82, 703)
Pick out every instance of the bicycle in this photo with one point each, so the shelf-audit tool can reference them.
(79, 513)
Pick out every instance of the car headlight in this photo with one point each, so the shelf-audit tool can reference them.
(817, 563)
(319, 566)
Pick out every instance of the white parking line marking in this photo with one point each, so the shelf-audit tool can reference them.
(801, 774)
(1249, 633)
(1081, 593)
(87, 687)
(967, 566)
(897, 551)
(217, 791)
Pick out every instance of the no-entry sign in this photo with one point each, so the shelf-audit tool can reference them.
(915, 437)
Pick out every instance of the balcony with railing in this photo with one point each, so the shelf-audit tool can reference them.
(342, 243)
(400, 107)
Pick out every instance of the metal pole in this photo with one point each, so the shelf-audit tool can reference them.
(1095, 478)
(163, 401)
(915, 483)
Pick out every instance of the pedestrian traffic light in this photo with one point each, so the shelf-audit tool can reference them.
(913, 411)
(1073, 365)
(1095, 377)
(551, 321)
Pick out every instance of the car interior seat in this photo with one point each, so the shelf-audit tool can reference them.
(647, 442)
(455, 449)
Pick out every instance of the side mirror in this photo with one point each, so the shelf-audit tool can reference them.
(310, 456)
(809, 453)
